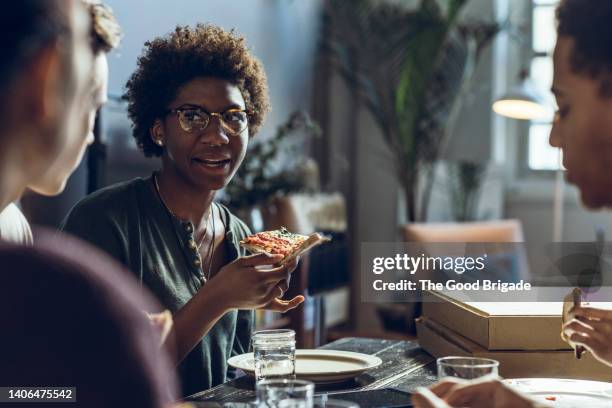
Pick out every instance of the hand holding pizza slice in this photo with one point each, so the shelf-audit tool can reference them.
(573, 299)
(588, 328)
(282, 242)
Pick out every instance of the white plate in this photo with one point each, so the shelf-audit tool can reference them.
(318, 365)
(563, 393)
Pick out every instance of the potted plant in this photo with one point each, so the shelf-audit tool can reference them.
(274, 167)
(410, 68)
(465, 179)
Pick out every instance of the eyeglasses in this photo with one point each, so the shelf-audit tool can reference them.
(193, 120)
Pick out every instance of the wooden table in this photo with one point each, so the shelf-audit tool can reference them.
(405, 367)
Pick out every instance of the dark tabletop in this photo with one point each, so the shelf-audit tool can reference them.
(405, 367)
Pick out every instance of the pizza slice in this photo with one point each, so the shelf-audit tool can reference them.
(282, 242)
(574, 298)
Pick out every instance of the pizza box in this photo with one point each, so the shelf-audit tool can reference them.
(440, 341)
(499, 325)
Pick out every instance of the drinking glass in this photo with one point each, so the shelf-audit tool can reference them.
(467, 368)
(274, 352)
(284, 393)
(324, 402)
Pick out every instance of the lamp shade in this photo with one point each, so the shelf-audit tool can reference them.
(522, 102)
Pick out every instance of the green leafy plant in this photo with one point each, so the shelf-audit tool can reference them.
(274, 166)
(465, 181)
(410, 67)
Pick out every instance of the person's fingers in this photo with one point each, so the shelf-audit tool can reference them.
(275, 274)
(166, 324)
(480, 391)
(590, 313)
(601, 327)
(292, 303)
(181, 405)
(260, 259)
(576, 326)
(163, 322)
(444, 387)
(279, 305)
(276, 268)
(283, 285)
(590, 343)
(273, 293)
(586, 329)
(425, 398)
(291, 265)
(274, 305)
(283, 306)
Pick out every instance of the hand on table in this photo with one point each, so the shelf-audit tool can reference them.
(591, 328)
(247, 286)
(486, 392)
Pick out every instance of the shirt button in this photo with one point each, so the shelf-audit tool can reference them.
(188, 227)
(192, 244)
(196, 262)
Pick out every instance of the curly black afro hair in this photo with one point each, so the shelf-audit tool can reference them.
(171, 61)
(589, 23)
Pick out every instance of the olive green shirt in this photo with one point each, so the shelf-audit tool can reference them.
(129, 222)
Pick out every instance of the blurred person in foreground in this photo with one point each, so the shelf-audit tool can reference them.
(75, 321)
(582, 128)
(105, 34)
(70, 317)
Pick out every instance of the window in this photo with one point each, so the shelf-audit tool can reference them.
(540, 155)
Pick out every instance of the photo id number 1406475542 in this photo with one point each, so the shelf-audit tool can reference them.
(37, 394)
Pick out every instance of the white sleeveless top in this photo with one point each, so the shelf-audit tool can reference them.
(14, 227)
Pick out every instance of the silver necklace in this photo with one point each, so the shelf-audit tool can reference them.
(209, 252)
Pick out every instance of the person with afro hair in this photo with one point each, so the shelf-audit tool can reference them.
(196, 98)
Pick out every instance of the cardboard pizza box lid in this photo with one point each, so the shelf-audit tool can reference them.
(440, 341)
(499, 325)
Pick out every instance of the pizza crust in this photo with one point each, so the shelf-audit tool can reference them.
(312, 241)
(254, 249)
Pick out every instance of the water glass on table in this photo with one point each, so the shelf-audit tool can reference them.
(325, 402)
(467, 368)
(274, 353)
(284, 393)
